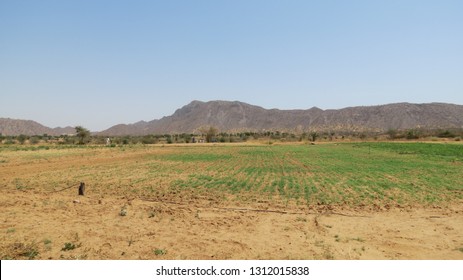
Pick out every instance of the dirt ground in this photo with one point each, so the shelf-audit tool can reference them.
(63, 225)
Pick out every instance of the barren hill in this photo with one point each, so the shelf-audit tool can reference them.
(239, 116)
(235, 116)
(27, 127)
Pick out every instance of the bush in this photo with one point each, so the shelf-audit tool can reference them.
(446, 134)
(34, 140)
(412, 134)
(148, 140)
(22, 138)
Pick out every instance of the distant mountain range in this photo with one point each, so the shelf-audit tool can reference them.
(235, 116)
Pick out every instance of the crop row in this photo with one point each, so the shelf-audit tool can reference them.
(325, 174)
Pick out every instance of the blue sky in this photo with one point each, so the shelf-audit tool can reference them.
(100, 63)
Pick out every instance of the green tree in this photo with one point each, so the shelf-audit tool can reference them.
(22, 138)
(314, 135)
(413, 134)
(211, 133)
(83, 134)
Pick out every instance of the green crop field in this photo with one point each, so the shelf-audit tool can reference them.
(353, 174)
(339, 174)
(232, 201)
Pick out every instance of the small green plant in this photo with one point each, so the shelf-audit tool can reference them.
(460, 249)
(31, 253)
(68, 246)
(28, 251)
(47, 244)
(10, 230)
(160, 252)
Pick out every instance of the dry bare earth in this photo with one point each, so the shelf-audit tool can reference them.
(41, 219)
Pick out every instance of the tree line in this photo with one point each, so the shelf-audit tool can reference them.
(83, 136)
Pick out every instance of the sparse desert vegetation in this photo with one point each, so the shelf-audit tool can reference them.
(361, 200)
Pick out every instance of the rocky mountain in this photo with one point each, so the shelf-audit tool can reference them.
(238, 116)
(235, 116)
(27, 127)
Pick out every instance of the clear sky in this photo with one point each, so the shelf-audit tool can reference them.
(100, 63)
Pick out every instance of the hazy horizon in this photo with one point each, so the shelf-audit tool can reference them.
(101, 63)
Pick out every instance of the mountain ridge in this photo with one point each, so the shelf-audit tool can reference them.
(236, 116)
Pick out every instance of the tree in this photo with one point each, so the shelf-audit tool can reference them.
(22, 138)
(413, 134)
(210, 135)
(314, 135)
(82, 133)
(331, 135)
(392, 133)
(209, 132)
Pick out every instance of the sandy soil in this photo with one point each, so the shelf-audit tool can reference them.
(38, 225)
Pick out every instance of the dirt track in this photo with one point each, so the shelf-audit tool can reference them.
(166, 228)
